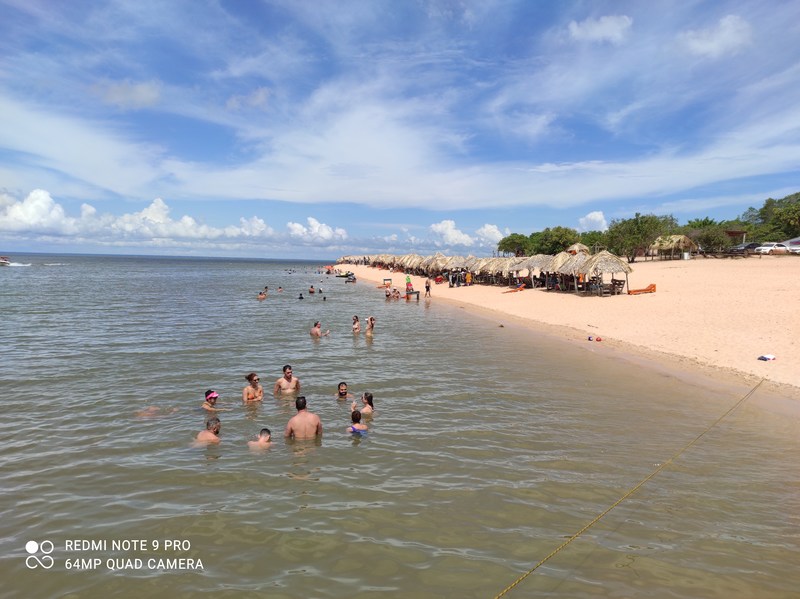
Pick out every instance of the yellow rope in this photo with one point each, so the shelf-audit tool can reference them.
(628, 494)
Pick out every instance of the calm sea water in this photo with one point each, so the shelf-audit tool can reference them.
(490, 447)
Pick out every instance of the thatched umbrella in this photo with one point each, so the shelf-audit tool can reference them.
(556, 261)
(455, 263)
(604, 262)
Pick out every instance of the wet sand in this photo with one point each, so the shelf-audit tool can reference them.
(713, 315)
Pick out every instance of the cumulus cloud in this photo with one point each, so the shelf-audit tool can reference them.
(39, 214)
(594, 221)
(730, 36)
(449, 234)
(611, 29)
(128, 95)
(316, 232)
(489, 234)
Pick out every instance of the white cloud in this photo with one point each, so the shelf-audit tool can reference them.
(611, 29)
(489, 234)
(730, 36)
(39, 214)
(594, 221)
(449, 234)
(125, 94)
(316, 232)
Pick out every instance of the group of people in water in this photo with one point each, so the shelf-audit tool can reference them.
(303, 425)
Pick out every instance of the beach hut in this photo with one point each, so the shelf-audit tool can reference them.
(577, 248)
(672, 245)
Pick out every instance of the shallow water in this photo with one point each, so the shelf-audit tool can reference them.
(490, 447)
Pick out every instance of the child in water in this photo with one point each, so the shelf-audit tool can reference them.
(357, 427)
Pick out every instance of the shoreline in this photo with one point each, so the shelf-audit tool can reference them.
(685, 326)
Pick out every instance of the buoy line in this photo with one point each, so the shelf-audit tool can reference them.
(629, 493)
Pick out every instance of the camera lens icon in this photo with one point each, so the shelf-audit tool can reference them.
(33, 561)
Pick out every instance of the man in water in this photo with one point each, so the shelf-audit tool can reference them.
(316, 331)
(304, 424)
(211, 434)
(264, 440)
(341, 392)
(287, 384)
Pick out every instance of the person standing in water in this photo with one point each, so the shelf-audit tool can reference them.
(254, 391)
(370, 326)
(304, 424)
(287, 384)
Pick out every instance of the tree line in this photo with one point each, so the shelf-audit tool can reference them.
(776, 220)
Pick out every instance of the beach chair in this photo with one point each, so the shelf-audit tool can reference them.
(519, 287)
(649, 289)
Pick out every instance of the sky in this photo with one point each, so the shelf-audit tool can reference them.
(307, 129)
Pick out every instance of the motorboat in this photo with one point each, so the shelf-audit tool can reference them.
(4, 261)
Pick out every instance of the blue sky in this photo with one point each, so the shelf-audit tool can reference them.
(318, 129)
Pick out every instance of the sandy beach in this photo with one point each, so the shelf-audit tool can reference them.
(718, 314)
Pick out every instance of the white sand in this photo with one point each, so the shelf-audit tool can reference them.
(706, 312)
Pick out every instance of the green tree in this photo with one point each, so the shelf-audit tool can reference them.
(712, 239)
(701, 223)
(787, 219)
(515, 243)
(630, 236)
(557, 239)
(594, 240)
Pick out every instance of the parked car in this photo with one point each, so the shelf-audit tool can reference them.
(772, 248)
(743, 248)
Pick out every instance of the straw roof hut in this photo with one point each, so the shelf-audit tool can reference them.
(605, 262)
(572, 264)
(577, 248)
(556, 261)
(434, 263)
(455, 263)
(672, 244)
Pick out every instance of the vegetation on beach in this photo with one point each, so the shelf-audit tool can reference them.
(775, 220)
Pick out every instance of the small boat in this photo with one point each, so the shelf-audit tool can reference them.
(4, 261)
(347, 275)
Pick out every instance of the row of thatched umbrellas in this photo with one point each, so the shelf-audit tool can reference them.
(573, 261)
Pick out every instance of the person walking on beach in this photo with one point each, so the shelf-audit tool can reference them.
(288, 383)
(428, 287)
(211, 434)
(254, 391)
(316, 330)
(304, 424)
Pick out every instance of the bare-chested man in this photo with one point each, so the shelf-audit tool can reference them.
(211, 434)
(316, 330)
(304, 424)
(287, 384)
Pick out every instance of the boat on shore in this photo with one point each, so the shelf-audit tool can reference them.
(4, 261)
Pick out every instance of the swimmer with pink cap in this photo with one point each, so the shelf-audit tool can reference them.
(210, 404)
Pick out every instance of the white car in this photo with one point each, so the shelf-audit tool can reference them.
(772, 248)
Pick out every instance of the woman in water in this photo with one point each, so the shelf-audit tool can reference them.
(210, 404)
(370, 325)
(254, 391)
(368, 407)
(356, 325)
